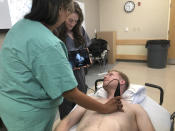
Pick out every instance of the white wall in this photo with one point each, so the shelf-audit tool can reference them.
(148, 21)
(5, 20)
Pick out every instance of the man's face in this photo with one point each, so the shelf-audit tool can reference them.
(111, 80)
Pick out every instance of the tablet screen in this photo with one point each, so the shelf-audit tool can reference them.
(79, 58)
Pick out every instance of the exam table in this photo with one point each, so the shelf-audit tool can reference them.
(161, 119)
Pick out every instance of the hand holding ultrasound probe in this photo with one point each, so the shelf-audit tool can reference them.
(117, 93)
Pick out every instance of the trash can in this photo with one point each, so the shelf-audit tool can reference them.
(157, 51)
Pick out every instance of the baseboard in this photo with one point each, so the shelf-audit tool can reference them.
(131, 57)
(171, 61)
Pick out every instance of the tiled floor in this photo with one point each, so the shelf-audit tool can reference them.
(140, 73)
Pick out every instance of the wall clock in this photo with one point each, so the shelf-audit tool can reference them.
(129, 6)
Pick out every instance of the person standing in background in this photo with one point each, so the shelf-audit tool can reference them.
(35, 73)
(75, 37)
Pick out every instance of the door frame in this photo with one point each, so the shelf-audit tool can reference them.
(171, 33)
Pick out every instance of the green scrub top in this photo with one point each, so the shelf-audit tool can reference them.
(34, 72)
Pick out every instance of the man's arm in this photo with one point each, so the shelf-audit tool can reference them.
(143, 121)
(71, 119)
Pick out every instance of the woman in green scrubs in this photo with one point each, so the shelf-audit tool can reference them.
(35, 73)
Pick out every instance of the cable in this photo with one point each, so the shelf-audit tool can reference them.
(111, 81)
(117, 91)
(91, 89)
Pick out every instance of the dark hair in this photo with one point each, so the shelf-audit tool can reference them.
(77, 30)
(46, 11)
(124, 77)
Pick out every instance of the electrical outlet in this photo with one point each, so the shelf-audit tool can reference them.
(126, 29)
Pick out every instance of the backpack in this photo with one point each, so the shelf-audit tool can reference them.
(97, 47)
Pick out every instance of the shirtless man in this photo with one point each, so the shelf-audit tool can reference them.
(131, 117)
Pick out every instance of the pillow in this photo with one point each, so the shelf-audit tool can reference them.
(134, 94)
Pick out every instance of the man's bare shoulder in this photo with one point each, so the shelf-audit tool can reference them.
(135, 107)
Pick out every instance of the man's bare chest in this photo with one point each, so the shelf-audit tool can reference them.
(99, 121)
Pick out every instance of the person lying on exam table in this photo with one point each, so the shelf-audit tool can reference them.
(131, 117)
